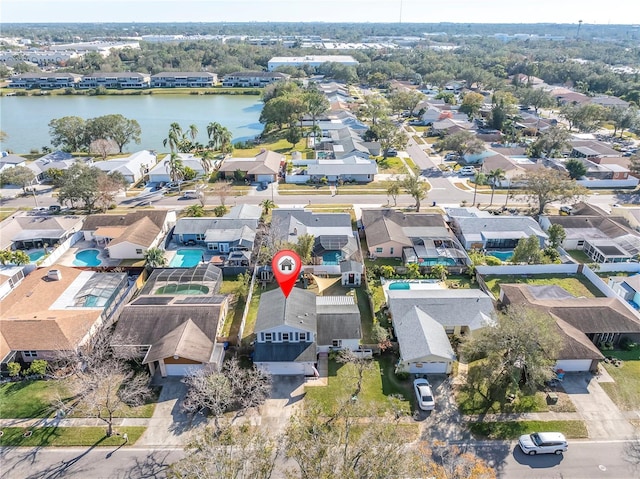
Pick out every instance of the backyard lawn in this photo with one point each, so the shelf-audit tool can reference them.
(514, 429)
(579, 256)
(625, 391)
(68, 436)
(379, 383)
(577, 285)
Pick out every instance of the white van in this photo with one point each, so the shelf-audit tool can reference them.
(190, 194)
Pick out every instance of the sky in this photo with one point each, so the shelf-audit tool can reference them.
(360, 11)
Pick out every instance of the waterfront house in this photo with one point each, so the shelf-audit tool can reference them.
(119, 80)
(45, 81)
(183, 80)
(248, 79)
(264, 167)
(133, 167)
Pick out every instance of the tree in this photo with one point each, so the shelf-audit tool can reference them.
(241, 452)
(404, 100)
(528, 251)
(101, 147)
(439, 271)
(206, 161)
(294, 135)
(20, 258)
(6, 256)
(585, 117)
(415, 188)
(622, 118)
(107, 389)
(444, 461)
(18, 175)
(222, 189)
(69, 133)
(537, 98)
(267, 205)
(360, 365)
(304, 247)
(316, 103)
(479, 178)
(374, 107)
(495, 177)
(194, 211)
(389, 136)
(575, 168)
(471, 104)
(394, 191)
(546, 185)
(108, 186)
(189, 173)
(503, 106)
(219, 211)
(520, 350)
(79, 184)
(155, 258)
(557, 235)
(173, 137)
(175, 168)
(551, 142)
(457, 142)
(114, 127)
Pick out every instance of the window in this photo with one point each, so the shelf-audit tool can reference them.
(285, 337)
(138, 251)
(200, 236)
(336, 343)
(268, 337)
(581, 243)
(378, 250)
(449, 330)
(30, 354)
(390, 250)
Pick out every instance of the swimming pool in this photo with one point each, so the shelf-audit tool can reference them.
(435, 261)
(87, 257)
(400, 285)
(331, 257)
(413, 284)
(36, 256)
(501, 255)
(187, 258)
(183, 289)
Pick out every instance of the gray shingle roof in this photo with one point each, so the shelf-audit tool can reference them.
(421, 336)
(338, 318)
(297, 311)
(283, 352)
(201, 225)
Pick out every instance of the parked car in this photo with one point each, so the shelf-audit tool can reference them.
(543, 443)
(467, 171)
(392, 152)
(424, 395)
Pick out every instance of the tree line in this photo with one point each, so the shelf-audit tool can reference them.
(73, 133)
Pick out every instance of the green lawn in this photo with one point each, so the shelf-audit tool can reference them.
(514, 429)
(577, 285)
(579, 256)
(625, 391)
(33, 399)
(391, 166)
(68, 436)
(379, 382)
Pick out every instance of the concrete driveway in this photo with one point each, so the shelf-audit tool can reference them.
(601, 415)
(445, 423)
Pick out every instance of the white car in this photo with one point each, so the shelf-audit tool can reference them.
(424, 395)
(543, 443)
(467, 171)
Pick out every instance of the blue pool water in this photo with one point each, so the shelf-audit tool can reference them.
(435, 261)
(186, 258)
(87, 257)
(400, 285)
(331, 257)
(35, 256)
(501, 255)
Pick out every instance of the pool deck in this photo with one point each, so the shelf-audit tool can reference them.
(68, 258)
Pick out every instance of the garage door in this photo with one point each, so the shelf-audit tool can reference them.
(432, 368)
(181, 369)
(282, 369)
(572, 365)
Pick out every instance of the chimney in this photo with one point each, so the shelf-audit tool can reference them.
(54, 275)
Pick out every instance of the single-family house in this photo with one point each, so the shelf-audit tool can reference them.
(601, 174)
(183, 79)
(57, 309)
(11, 161)
(591, 149)
(131, 235)
(28, 232)
(290, 332)
(604, 238)
(489, 232)
(160, 172)
(334, 238)
(58, 160)
(352, 168)
(423, 320)
(176, 320)
(11, 276)
(601, 320)
(264, 167)
(628, 288)
(220, 235)
(133, 167)
(631, 215)
(420, 238)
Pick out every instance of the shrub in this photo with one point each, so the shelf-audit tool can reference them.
(627, 344)
(492, 260)
(402, 375)
(14, 369)
(38, 366)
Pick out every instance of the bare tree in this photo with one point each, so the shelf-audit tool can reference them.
(103, 147)
(222, 189)
(108, 389)
(238, 452)
(443, 461)
(360, 364)
(251, 386)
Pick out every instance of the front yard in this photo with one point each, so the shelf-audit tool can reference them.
(514, 429)
(68, 436)
(577, 285)
(378, 384)
(625, 391)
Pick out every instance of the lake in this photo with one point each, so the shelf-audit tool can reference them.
(25, 120)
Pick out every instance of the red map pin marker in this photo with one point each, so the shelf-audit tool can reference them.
(286, 266)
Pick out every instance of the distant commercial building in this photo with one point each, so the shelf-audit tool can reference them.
(311, 60)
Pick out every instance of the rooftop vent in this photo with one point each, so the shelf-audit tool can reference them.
(54, 275)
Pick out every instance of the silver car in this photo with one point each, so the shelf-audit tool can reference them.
(424, 395)
(543, 443)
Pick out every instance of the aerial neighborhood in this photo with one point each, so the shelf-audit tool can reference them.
(469, 246)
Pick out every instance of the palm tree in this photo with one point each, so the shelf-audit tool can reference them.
(478, 178)
(226, 145)
(213, 132)
(154, 258)
(495, 177)
(175, 168)
(173, 137)
(193, 132)
(206, 161)
(267, 205)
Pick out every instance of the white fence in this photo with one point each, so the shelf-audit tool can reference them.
(62, 249)
(631, 182)
(528, 269)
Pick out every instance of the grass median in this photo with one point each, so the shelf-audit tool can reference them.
(514, 429)
(68, 436)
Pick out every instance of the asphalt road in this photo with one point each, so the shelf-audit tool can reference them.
(584, 460)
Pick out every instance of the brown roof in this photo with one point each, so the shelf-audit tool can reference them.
(143, 233)
(382, 225)
(576, 345)
(266, 162)
(186, 341)
(93, 222)
(589, 315)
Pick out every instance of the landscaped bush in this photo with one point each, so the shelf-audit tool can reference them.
(38, 366)
(402, 375)
(626, 344)
(492, 261)
(14, 369)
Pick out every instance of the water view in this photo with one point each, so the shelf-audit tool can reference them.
(25, 119)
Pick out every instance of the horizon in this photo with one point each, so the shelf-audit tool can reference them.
(568, 12)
